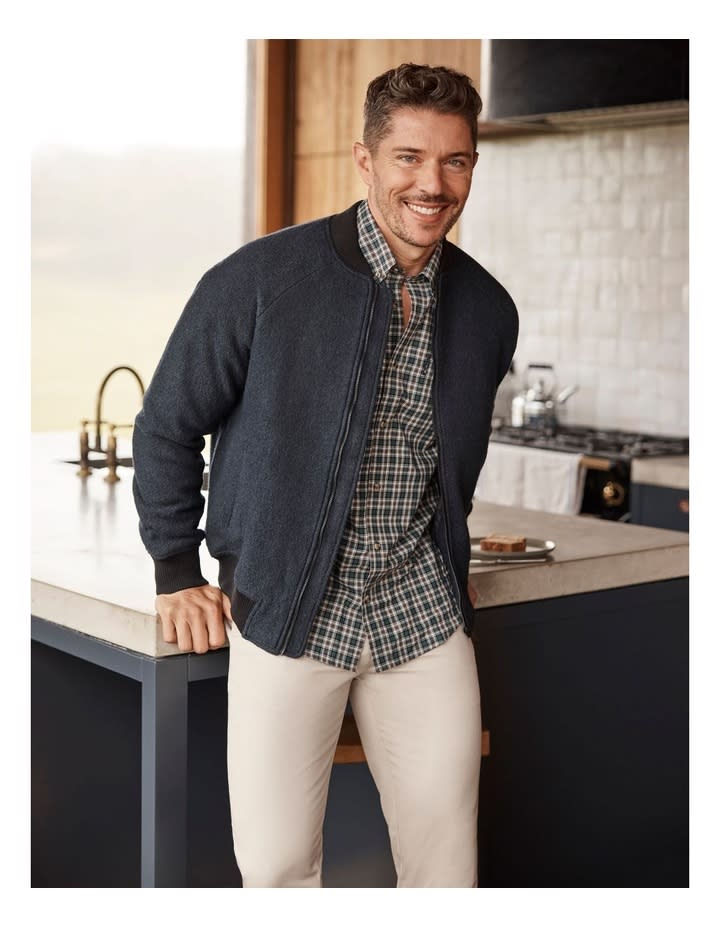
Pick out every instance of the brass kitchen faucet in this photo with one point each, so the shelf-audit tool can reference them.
(111, 458)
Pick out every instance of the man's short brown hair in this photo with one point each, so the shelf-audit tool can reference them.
(421, 87)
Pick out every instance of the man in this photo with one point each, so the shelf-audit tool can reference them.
(346, 370)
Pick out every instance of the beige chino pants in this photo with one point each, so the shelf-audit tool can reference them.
(421, 732)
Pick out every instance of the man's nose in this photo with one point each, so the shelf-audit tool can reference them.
(430, 178)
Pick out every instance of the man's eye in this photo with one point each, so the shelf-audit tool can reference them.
(456, 163)
(407, 158)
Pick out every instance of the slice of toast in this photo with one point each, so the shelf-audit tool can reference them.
(498, 542)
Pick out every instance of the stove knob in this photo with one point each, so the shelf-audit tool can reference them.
(613, 493)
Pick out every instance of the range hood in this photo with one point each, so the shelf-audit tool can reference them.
(569, 85)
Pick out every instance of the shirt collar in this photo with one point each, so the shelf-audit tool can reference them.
(376, 250)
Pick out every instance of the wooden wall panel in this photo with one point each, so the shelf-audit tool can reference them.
(331, 80)
(328, 184)
(274, 136)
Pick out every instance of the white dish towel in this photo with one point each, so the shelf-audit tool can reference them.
(532, 478)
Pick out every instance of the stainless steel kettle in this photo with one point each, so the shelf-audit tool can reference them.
(536, 405)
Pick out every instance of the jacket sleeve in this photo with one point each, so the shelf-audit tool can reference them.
(198, 382)
(509, 337)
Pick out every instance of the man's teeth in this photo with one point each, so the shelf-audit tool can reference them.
(424, 210)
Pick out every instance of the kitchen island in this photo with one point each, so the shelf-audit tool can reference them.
(583, 668)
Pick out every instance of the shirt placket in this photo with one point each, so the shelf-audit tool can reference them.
(383, 513)
(378, 509)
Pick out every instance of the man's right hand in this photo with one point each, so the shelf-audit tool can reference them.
(194, 618)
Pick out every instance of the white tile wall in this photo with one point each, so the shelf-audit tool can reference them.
(589, 233)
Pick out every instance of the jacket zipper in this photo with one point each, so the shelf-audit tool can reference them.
(441, 469)
(287, 631)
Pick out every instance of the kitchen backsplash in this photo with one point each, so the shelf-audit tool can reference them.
(589, 233)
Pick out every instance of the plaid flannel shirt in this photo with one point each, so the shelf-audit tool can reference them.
(388, 582)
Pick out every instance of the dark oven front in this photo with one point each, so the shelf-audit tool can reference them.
(607, 490)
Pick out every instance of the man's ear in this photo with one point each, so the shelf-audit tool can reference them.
(363, 162)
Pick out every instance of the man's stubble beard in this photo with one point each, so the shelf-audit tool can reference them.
(395, 222)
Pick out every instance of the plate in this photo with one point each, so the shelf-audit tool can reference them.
(535, 549)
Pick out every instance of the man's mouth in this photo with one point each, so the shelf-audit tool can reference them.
(425, 210)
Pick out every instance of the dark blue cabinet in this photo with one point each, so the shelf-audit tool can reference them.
(585, 698)
(660, 507)
(89, 772)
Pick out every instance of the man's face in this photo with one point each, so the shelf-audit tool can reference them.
(418, 178)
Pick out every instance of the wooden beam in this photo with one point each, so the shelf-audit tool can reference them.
(274, 133)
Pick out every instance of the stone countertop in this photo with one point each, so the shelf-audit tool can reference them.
(590, 554)
(90, 571)
(662, 472)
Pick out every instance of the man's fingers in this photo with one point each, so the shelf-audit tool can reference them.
(199, 629)
(184, 636)
(216, 632)
(216, 619)
(194, 618)
(168, 629)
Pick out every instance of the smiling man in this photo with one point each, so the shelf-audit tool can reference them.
(418, 177)
(346, 369)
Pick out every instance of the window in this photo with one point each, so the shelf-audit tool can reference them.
(140, 183)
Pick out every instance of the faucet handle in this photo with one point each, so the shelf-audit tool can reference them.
(85, 470)
(112, 474)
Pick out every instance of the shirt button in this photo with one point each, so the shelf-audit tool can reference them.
(377, 546)
(376, 486)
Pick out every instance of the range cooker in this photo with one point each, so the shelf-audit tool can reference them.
(607, 458)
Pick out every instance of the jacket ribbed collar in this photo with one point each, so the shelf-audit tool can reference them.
(344, 235)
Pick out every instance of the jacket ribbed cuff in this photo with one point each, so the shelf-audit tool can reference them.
(179, 572)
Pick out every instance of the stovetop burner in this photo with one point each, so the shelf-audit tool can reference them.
(588, 440)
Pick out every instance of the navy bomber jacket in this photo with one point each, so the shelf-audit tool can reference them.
(277, 356)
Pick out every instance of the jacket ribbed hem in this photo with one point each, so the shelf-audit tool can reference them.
(179, 572)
